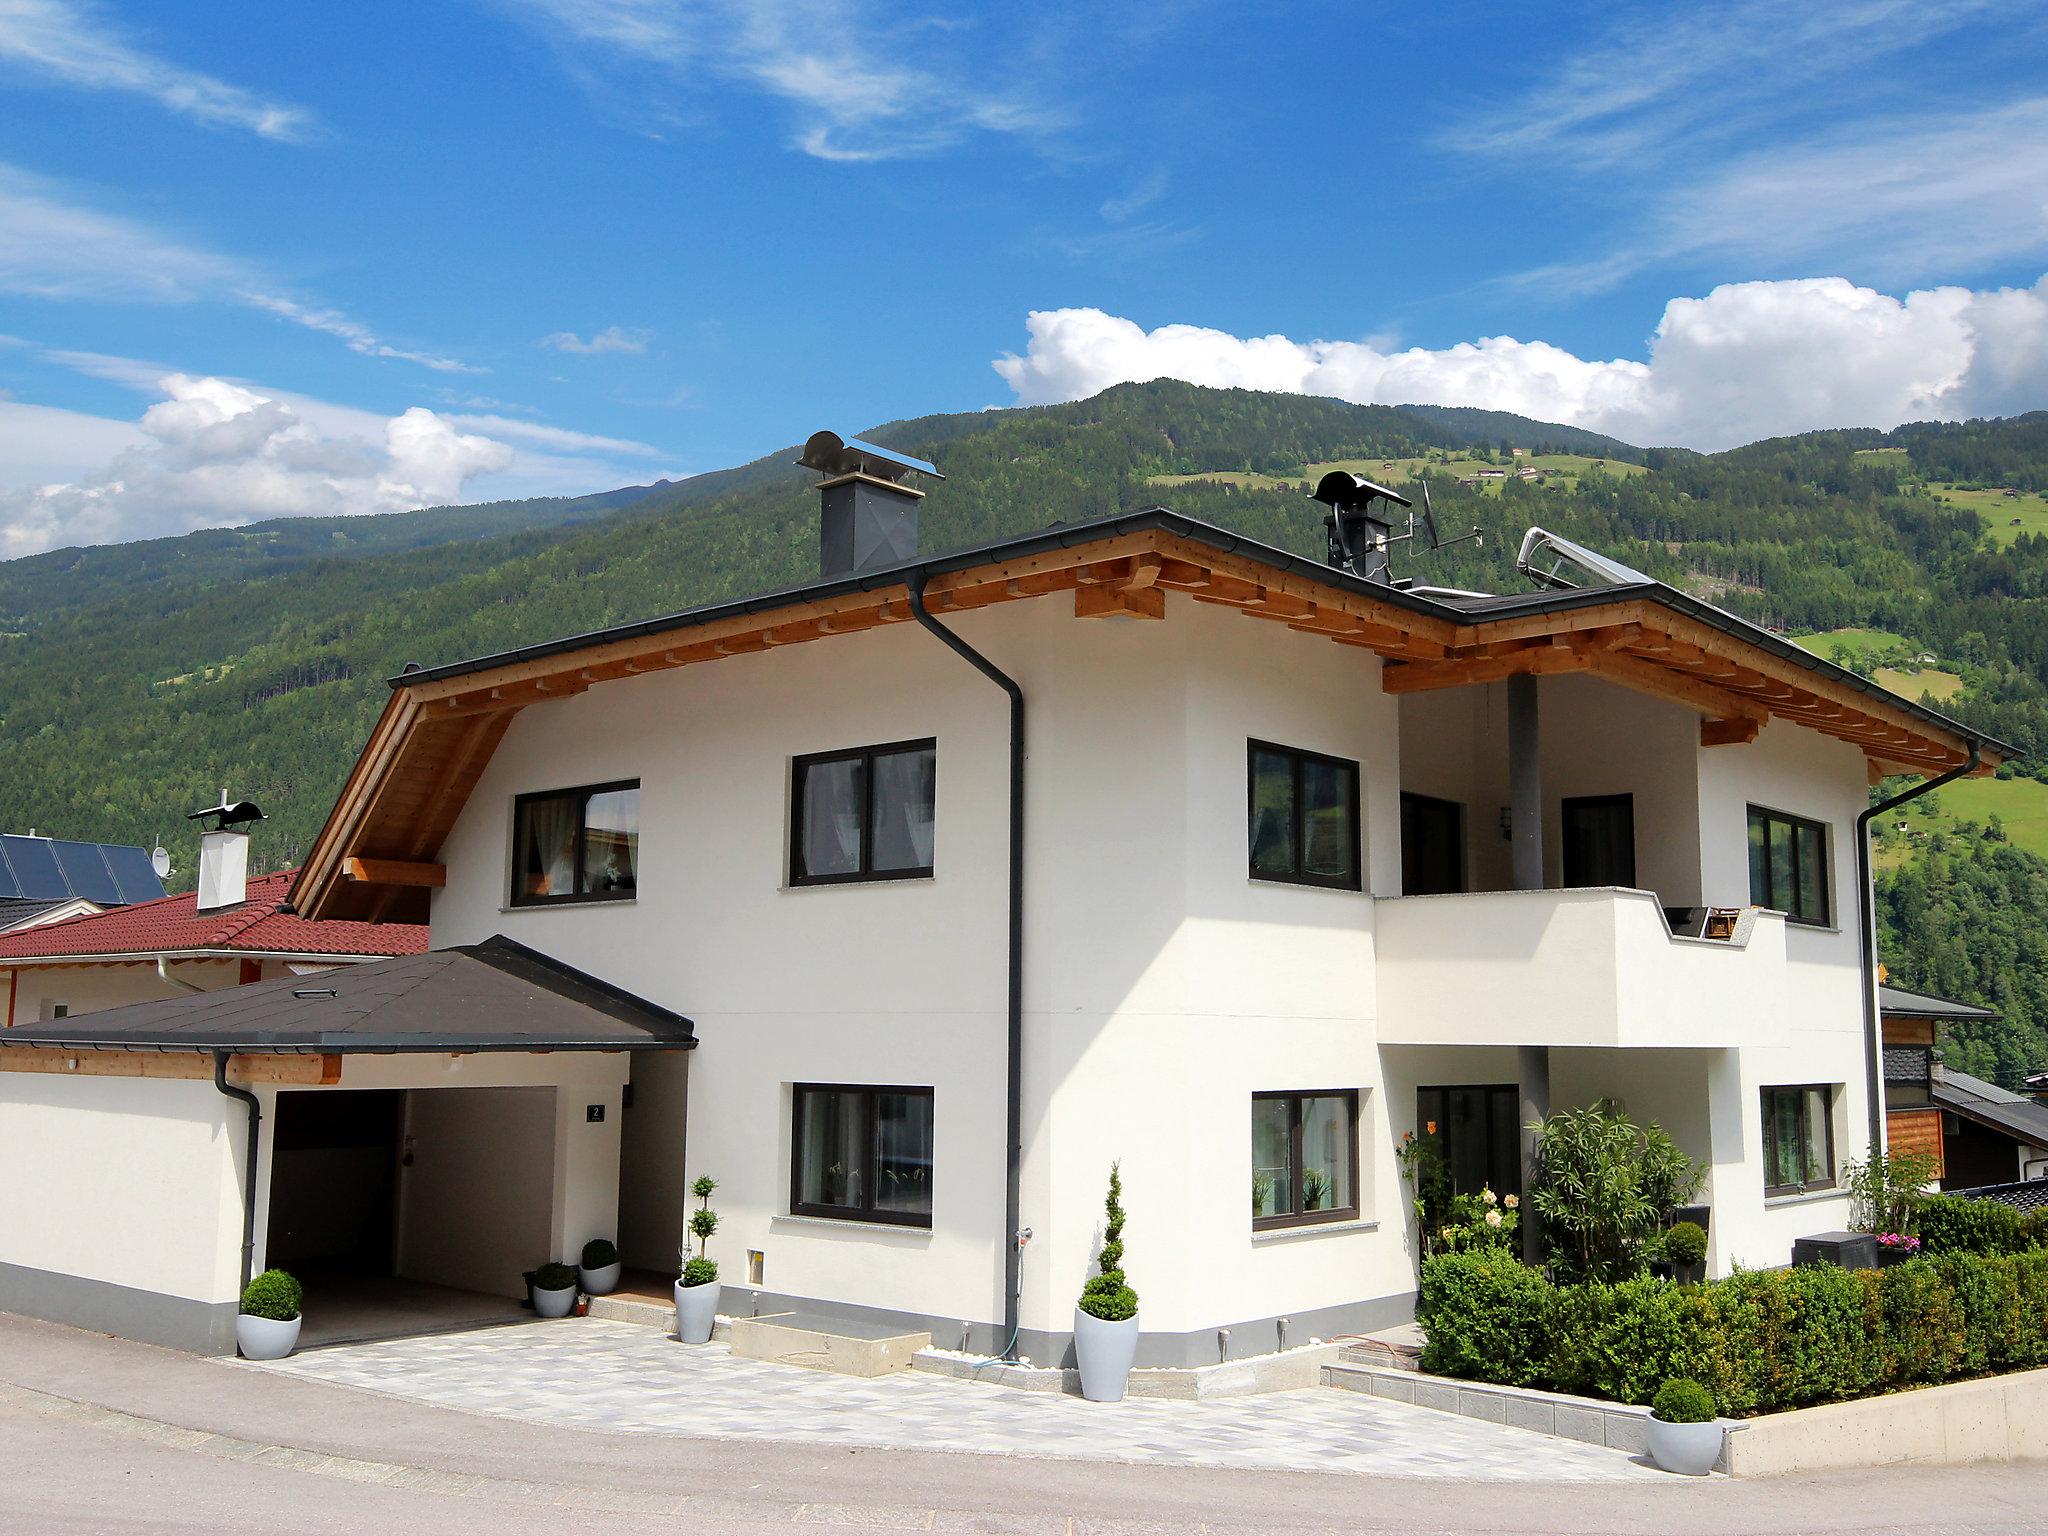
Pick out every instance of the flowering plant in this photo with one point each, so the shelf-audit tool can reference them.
(1477, 1221)
(1899, 1242)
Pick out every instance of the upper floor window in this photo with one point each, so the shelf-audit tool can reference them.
(1304, 1158)
(863, 814)
(576, 844)
(1788, 865)
(1599, 841)
(861, 1154)
(1304, 817)
(1432, 846)
(1799, 1139)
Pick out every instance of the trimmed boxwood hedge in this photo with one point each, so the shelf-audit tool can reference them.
(1759, 1341)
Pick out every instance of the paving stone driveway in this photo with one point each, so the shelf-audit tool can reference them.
(592, 1373)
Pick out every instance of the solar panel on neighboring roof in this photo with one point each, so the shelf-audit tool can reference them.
(130, 866)
(35, 867)
(85, 868)
(56, 869)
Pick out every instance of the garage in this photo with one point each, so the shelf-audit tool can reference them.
(427, 1129)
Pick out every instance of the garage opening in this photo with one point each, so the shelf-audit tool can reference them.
(410, 1210)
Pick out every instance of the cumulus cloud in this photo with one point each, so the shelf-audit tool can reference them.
(1748, 360)
(214, 453)
(612, 338)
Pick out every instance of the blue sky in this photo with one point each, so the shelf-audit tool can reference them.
(589, 242)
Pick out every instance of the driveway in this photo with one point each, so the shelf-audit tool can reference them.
(593, 1373)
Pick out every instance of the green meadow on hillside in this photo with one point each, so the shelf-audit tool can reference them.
(2021, 806)
(1846, 646)
(1566, 469)
(2005, 517)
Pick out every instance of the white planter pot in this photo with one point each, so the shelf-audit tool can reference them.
(265, 1338)
(1689, 1448)
(1104, 1351)
(554, 1303)
(696, 1311)
(598, 1282)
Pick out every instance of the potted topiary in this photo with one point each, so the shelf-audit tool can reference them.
(1685, 1249)
(1684, 1434)
(553, 1290)
(1106, 1317)
(267, 1327)
(697, 1289)
(598, 1271)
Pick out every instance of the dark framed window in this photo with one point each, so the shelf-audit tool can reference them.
(861, 1154)
(1478, 1129)
(1788, 865)
(1799, 1139)
(1304, 1158)
(1432, 846)
(863, 814)
(576, 844)
(1303, 815)
(1599, 841)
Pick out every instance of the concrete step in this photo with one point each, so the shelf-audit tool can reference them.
(635, 1309)
(1392, 1349)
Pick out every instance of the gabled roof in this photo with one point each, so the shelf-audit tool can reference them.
(443, 723)
(175, 925)
(2011, 1114)
(1898, 1003)
(19, 911)
(57, 868)
(494, 996)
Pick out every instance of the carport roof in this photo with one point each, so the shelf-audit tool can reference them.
(494, 996)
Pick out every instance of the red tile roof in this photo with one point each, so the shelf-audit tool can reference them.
(175, 923)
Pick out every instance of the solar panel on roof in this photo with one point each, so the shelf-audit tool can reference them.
(85, 867)
(130, 866)
(35, 867)
(10, 888)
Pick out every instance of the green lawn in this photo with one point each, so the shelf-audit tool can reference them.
(2021, 804)
(1842, 645)
(1910, 685)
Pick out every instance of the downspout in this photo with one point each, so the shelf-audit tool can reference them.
(1013, 1186)
(163, 971)
(220, 1081)
(1866, 935)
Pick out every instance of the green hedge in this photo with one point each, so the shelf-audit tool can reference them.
(1954, 1224)
(1759, 1341)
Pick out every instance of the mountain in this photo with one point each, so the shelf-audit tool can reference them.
(136, 680)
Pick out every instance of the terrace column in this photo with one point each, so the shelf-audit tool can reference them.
(1525, 810)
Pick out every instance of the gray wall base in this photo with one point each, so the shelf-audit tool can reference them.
(204, 1327)
(1202, 1346)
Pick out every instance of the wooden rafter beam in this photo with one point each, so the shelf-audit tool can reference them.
(1734, 731)
(281, 1067)
(395, 872)
(1098, 602)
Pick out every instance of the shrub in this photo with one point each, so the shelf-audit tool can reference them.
(698, 1268)
(1925, 1335)
(599, 1253)
(554, 1277)
(1954, 1224)
(273, 1294)
(1601, 1187)
(1108, 1295)
(1485, 1316)
(1686, 1243)
(1887, 1188)
(1680, 1401)
(699, 1272)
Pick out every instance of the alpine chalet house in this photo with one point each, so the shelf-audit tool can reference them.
(1137, 841)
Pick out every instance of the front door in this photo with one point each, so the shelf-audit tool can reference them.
(1478, 1131)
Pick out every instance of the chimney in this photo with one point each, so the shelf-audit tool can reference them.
(867, 516)
(224, 852)
(1361, 534)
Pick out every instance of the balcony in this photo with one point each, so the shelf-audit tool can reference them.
(1593, 967)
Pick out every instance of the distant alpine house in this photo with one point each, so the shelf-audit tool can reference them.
(1138, 842)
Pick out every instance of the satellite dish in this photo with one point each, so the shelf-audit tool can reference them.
(160, 861)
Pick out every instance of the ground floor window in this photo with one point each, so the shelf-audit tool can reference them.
(1304, 1158)
(1478, 1131)
(1799, 1139)
(862, 1154)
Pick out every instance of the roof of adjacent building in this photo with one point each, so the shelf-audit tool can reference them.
(495, 996)
(15, 910)
(175, 925)
(2014, 1114)
(1898, 1003)
(57, 869)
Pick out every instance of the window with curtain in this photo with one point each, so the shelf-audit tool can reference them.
(1304, 1158)
(1432, 846)
(1799, 1139)
(863, 814)
(1303, 817)
(576, 845)
(862, 1154)
(1788, 865)
(1599, 841)
(1477, 1128)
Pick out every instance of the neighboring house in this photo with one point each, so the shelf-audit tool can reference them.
(1978, 1133)
(1293, 863)
(47, 879)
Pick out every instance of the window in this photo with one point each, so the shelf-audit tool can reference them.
(1799, 1139)
(1788, 865)
(1478, 1126)
(1600, 841)
(1304, 1158)
(864, 814)
(1432, 846)
(576, 845)
(1304, 817)
(862, 1154)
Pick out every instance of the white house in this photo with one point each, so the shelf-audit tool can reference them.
(1139, 842)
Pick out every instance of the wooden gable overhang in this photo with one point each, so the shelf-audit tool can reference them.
(376, 857)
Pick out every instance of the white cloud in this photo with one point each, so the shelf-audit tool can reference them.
(1749, 360)
(214, 453)
(357, 337)
(611, 339)
(561, 439)
(73, 44)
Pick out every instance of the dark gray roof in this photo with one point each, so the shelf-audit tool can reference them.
(1165, 520)
(19, 909)
(493, 996)
(2014, 1114)
(1898, 1003)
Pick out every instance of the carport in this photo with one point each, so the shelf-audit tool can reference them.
(427, 1128)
